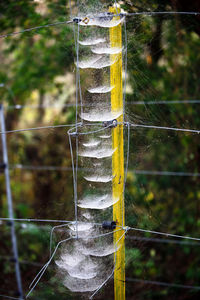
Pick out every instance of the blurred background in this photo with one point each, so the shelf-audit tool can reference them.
(37, 88)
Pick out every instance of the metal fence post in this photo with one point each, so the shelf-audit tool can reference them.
(10, 204)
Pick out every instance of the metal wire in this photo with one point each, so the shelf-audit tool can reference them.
(35, 220)
(172, 285)
(155, 102)
(165, 128)
(9, 297)
(153, 13)
(34, 28)
(37, 128)
(80, 124)
(166, 173)
(107, 279)
(40, 274)
(164, 234)
(159, 240)
(10, 205)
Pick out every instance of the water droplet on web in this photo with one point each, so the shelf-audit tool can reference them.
(97, 153)
(90, 42)
(100, 89)
(106, 50)
(97, 202)
(96, 62)
(91, 143)
(98, 178)
(96, 115)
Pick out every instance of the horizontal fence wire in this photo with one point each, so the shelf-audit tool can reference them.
(137, 172)
(127, 228)
(25, 262)
(54, 106)
(153, 13)
(135, 125)
(166, 173)
(136, 280)
(185, 130)
(8, 297)
(165, 128)
(77, 20)
(35, 220)
(165, 284)
(161, 240)
(164, 233)
(37, 128)
(35, 28)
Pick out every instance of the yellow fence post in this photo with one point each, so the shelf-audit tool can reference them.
(118, 156)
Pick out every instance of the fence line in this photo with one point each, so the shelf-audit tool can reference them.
(137, 172)
(165, 128)
(164, 233)
(35, 220)
(159, 102)
(37, 128)
(172, 285)
(164, 241)
(34, 28)
(10, 205)
(125, 123)
(78, 20)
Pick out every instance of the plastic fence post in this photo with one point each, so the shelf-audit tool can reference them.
(118, 156)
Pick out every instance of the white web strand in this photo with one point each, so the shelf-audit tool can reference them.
(40, 274)
(74, 183)
(107, 279)
(80, 124)
(165, 234)
(166, 128)
(51, 235)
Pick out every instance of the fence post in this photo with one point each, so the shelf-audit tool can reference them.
(118, 156)
(10, 204)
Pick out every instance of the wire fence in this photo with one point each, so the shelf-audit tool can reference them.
(67, 105)
(191, 240)
(137, 172)
(78, 20)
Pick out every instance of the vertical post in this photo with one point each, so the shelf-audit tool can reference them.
(118, 156)
(10, 205)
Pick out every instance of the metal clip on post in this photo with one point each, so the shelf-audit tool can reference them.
(112, 123)
(109, 225)
(77, 20)
(2, 167)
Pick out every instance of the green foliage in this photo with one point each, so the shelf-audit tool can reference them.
(163, 64)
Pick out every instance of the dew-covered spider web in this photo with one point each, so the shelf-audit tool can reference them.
(56, 89)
